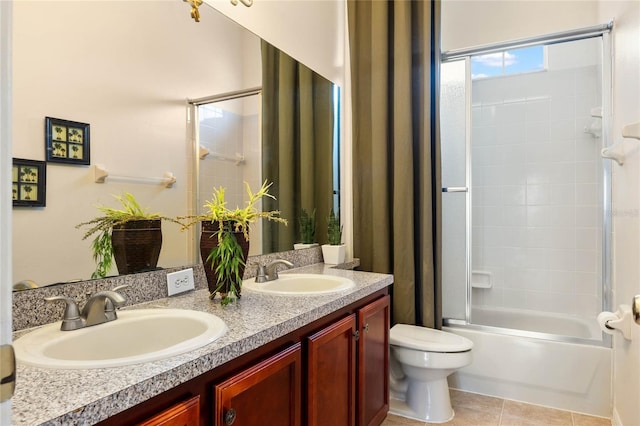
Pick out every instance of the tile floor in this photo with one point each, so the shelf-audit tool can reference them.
(480, 410)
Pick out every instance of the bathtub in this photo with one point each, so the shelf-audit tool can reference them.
(538, 322)
(521, 355)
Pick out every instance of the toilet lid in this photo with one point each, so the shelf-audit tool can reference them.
(427, 339)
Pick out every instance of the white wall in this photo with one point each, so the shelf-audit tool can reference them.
(626, 203)
(127, 68)
(311, 31)
(468, 23)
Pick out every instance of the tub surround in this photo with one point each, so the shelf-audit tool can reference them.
(66, 397)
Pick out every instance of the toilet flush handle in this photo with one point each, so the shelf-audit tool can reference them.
(635, 308)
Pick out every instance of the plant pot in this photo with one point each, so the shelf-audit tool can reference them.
(209, 240)
(333, 255)
(136, 245)
(300, 246)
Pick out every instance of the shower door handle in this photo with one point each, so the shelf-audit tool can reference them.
(455, 189)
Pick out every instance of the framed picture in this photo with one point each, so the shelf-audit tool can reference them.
(29, 181)
(66, 141)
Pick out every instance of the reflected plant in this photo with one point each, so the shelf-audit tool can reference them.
(103, 225)
(334, 229)
(307, 226)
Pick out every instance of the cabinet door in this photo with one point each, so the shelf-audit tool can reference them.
(185, 413)
(331, 375)
(373, 362)
(265, 394)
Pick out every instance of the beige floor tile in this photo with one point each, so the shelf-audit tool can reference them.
(392, 420)
(521, 414)
(475, 401)
(473, 409)
(481, 410)
(471, 417)
(583, 420)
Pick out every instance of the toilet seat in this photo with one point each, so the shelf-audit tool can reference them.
(427, 339)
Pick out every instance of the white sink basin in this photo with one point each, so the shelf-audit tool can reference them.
(300, 284)
(136, 336)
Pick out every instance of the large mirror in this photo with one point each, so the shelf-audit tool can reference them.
(91, 62)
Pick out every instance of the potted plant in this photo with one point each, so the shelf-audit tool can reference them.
(224, 242)
(307, 230)
(334, 252)
(129, 235)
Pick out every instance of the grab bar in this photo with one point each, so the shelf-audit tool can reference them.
(455, 189)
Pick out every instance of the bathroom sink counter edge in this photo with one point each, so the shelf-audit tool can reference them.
(52, 396)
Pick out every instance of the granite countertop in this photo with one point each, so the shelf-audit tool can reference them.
(83, 397)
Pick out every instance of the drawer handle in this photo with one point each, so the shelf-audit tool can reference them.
(230, 417)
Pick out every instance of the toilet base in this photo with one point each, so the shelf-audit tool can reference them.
(427, 402)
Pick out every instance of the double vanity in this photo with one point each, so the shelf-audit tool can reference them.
(308, 348)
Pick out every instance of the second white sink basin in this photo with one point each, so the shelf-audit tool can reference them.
(301, 284)
(136, 336)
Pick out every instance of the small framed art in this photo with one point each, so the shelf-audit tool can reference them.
(29, 182)
(66, 141)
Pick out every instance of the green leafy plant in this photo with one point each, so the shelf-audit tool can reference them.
(307, 226)
(227, 257)
(103, 226)
(334, 229)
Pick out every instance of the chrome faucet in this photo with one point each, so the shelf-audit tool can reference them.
(100, 308)
(269, 272)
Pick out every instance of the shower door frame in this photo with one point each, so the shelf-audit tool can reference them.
(603, 31)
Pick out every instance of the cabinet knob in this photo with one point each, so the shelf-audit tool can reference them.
(230, 417)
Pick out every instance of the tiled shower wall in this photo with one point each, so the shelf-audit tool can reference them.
(536, 185)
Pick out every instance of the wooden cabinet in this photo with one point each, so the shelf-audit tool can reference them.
(345, 384)
(265, 394)
(333, 371)
(185, 413)
(373, 354)
(331, 375)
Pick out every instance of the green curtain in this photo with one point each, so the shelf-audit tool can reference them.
(297, 146)
(396, 156)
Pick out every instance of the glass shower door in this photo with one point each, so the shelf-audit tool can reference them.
(455, 183)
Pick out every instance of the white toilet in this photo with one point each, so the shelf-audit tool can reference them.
(420, 361)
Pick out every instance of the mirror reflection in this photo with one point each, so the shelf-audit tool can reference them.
(89, 62)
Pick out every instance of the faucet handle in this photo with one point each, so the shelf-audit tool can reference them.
(109, 308)
(261, 274)
(71, 319)
(120, 287)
